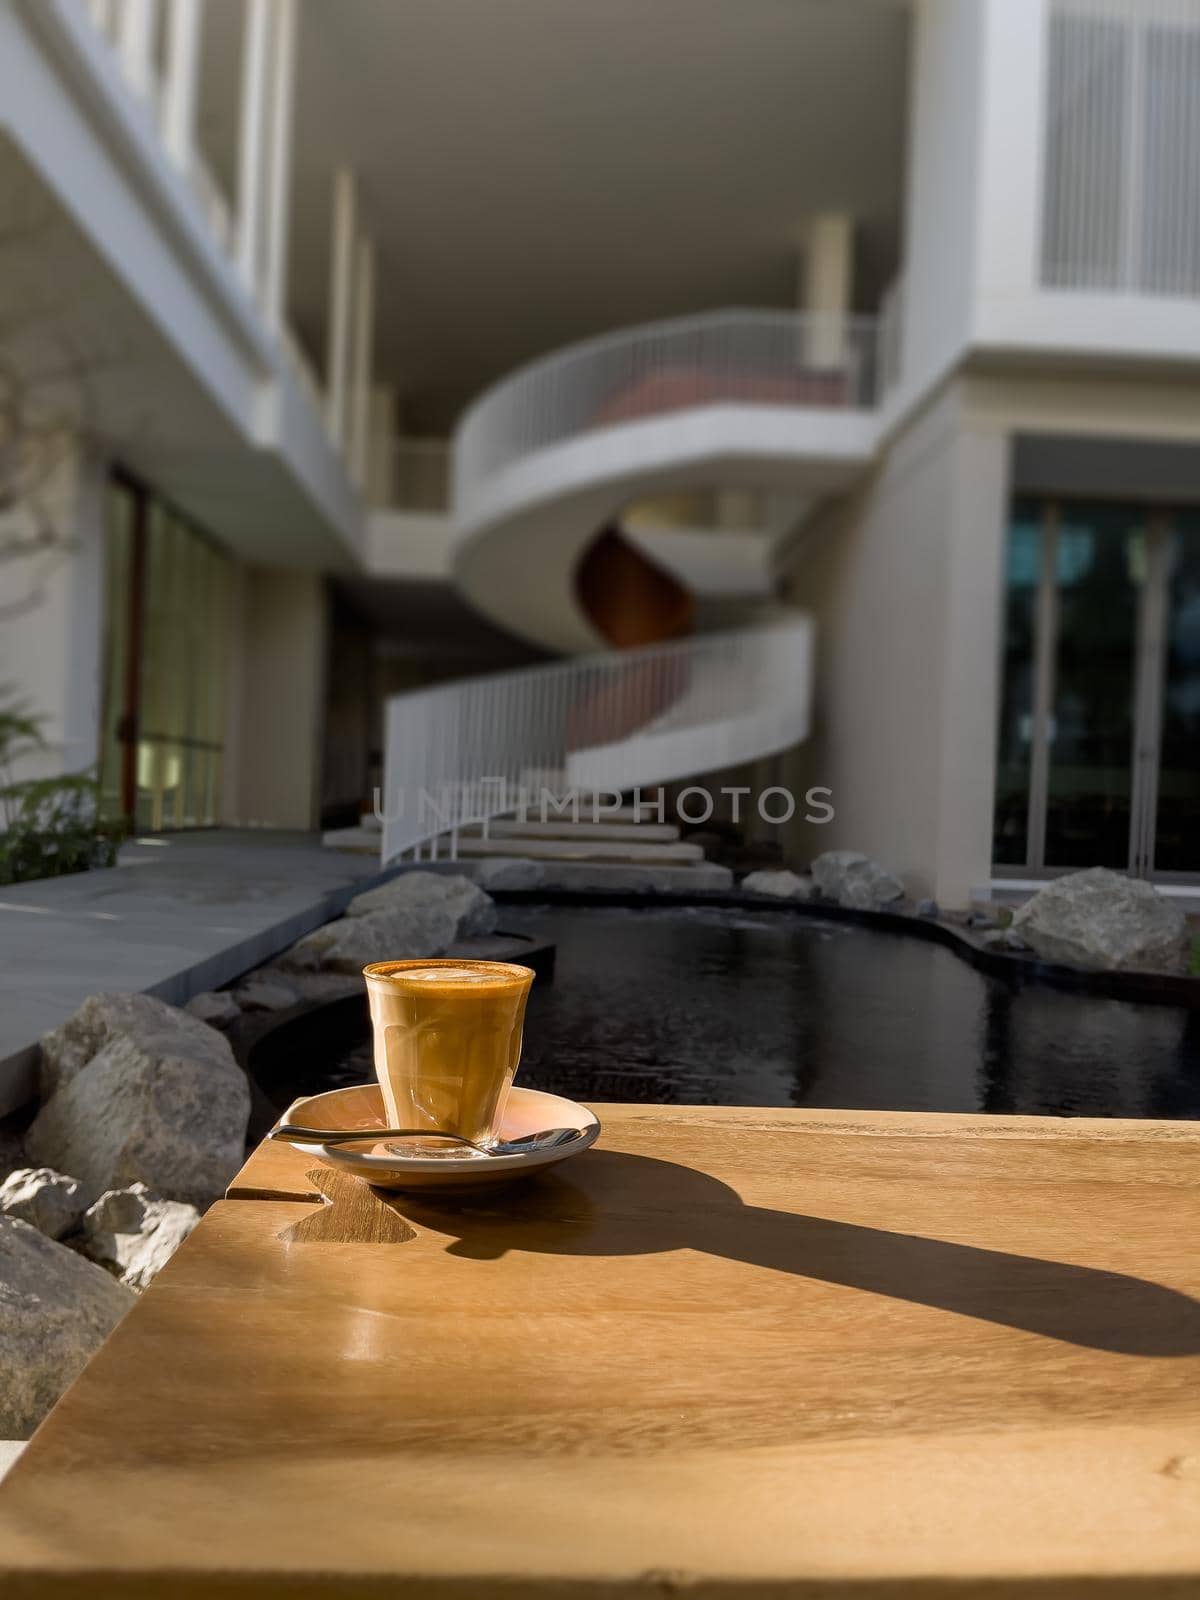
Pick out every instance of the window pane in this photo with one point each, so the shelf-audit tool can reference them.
(1178, 838)
(1011, 841)
(183, 676)
(1101, 566)
(117, 647)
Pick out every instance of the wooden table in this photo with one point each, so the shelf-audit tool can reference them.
(726, 1352)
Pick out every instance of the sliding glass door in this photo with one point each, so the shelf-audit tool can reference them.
(169, 593)
(1099, 568)
(1176, 808)
(1099, 745)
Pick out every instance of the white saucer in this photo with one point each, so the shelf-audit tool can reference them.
(528, 1111)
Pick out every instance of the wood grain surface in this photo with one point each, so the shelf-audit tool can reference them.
(730, 1352)
(350, 1213)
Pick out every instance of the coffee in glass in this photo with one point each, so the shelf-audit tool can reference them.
(447, 1043)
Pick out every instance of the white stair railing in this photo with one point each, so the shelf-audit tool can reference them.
(464, 752)
(736, 357)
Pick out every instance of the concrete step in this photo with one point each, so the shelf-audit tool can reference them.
(585, 876)
(635, 832)
(574, 850)
(361, 841)
(636, 879)
(645, 814)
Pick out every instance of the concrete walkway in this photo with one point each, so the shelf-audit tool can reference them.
(182, 912)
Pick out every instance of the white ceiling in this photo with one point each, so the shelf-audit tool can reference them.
(539, 170)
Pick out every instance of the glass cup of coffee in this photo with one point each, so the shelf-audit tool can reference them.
(447, 1039)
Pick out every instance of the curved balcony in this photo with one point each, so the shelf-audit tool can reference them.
(546, 459)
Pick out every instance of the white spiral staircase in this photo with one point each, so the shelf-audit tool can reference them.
(545, 460)
(595, 728)
(556, 451)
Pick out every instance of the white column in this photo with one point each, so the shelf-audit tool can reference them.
(1008, 161)
(364, 330)
(135, 42)
(283, 92)
(251, 130)
(183, 73)
(827, 273)
(341, 295)
(382, 431)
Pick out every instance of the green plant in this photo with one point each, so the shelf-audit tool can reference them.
(48, 826)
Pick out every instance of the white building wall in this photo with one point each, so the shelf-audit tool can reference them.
(282, 696)
(52, 618)
(904, 579)
(1010, 136)
(945, 87)
(973, 210)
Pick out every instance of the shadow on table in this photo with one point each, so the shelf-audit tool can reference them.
(635, 1205)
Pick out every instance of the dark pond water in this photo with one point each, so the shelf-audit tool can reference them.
(754, 1008)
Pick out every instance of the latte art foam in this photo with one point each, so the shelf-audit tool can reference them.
(447, 975)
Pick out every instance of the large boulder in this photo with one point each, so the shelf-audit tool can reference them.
(352, 943)
(260, 993)
(1105, 922)
(134, 1234)
(475, 911)
(314, 985)
(73, 1044)
(55, 1311)
(161, 1102)
(782, 884)
(852, 879)
(508, 872)
(216, 1007)
(49, 1201)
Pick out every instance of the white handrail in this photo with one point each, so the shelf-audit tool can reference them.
(742, 357)
(462, 752)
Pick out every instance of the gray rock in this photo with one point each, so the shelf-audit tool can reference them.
(508, 872)
(829, 871)
(1104, 922)
(134, 1234)
(216, 1007)
(265, 994)
(854, 880)
(927, 908)
(49, 1201)
(351, 943)
(70, 1047)
(783, 884)
(318, 985)
(473, 909)
(55, 1311)
(163, 1104)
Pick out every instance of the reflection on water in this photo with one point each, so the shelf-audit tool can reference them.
(753, 1008)
(756, 1008)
